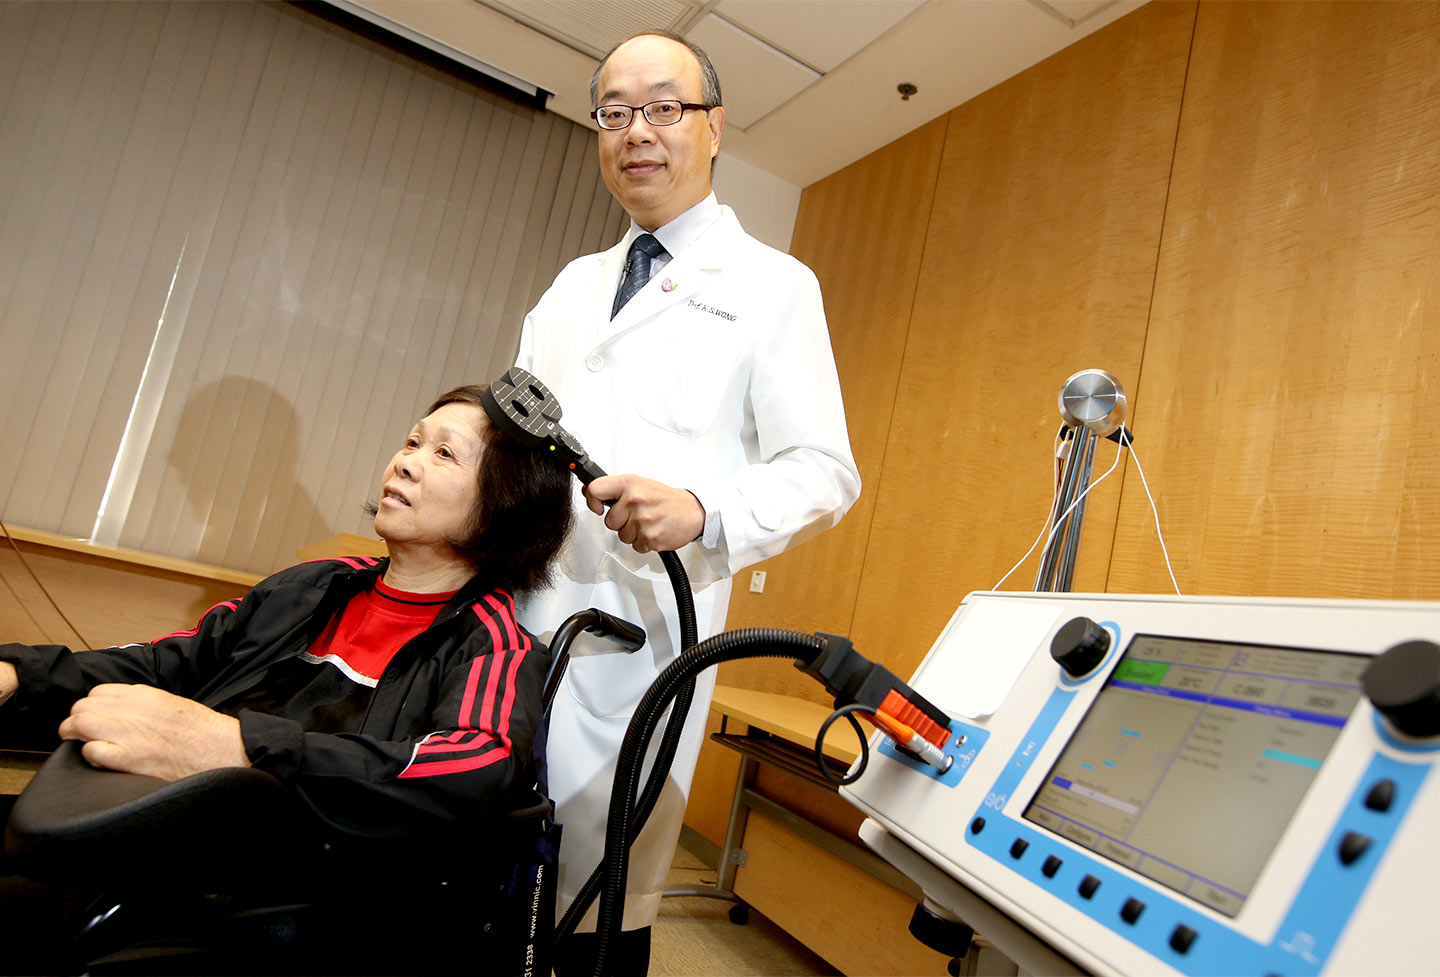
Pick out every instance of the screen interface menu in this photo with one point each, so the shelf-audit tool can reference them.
(1194, 757)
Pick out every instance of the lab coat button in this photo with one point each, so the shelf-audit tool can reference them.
(595, 363)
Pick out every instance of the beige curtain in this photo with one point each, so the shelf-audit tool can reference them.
(240, 249)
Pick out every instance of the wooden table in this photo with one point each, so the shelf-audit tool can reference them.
(16, 769)
(781, 734)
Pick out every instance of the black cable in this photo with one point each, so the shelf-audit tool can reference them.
(727, 646)
(523, 408)
(664, 756)
(659, 773)
(849, 713)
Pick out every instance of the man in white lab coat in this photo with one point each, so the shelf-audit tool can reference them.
(714, 389)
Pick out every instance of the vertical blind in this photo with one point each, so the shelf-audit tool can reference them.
(241, 248)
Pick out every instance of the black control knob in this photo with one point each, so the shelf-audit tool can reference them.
(1403, 684)
(1079, 646)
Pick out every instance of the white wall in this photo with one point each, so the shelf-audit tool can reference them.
(765, 204)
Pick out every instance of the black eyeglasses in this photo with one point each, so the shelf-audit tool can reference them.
(665, 112)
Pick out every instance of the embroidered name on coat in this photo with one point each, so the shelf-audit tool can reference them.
(701, 306)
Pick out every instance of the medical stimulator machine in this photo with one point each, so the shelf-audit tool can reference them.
(1168, 785)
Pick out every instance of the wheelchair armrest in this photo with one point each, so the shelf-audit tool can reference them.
(629, 636)
(78, 825)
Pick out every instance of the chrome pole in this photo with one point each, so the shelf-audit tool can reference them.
(1070, 487)
(1092, 405)
(1072, 527)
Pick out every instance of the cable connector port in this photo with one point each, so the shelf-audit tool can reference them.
(912, 742)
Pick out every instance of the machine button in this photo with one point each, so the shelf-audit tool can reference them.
(1079, 646)
(977, 826)
(1181, 938)
(1352, 846)
(1132, 909)
(1051, 866)
(595, 364)
(1018, 849)
(1088, 885)
(1403, 684)
(1381, 795)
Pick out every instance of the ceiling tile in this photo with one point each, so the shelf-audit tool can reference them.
(1073, 12)
(821, 33)
(755, 78)
(595, 26)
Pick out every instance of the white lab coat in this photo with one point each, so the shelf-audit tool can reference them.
(717, 377)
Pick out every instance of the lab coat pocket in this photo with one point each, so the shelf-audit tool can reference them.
(684, 373)
(612, 683)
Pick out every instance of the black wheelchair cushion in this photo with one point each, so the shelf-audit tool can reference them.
(78, 825)
(221, 873)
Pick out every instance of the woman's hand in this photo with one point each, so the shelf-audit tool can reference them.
(9, 680)
(140, 729)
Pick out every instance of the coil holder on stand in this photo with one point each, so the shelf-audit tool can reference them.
(1092, 406)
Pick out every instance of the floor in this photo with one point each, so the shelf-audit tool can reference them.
(693, 937)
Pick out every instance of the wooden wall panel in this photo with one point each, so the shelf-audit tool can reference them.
(1246, 232)
(111, 602)
(707, 811)
(861, 231)
(1288, 407)
(1039, 262)
(872, 215)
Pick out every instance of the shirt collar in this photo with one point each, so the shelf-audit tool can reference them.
(681, 232)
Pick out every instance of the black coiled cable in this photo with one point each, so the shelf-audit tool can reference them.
(849, 713)
(727, 646)
(633, 820)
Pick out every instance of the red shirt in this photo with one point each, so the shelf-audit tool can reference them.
(362, 638)
(327, 688)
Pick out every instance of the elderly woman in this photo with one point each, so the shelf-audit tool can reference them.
(393, 696)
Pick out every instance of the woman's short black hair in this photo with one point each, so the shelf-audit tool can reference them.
(522, 509)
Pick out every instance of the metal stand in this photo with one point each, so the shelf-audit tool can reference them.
(759, 749)
(1092, 405)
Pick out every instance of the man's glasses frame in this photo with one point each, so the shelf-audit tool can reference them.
(606, 114)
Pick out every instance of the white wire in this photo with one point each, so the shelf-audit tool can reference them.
(1156, 513)
(1125, 442)
(1054, 494)
(1119, 449)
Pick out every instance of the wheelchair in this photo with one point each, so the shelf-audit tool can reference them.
(217, 873)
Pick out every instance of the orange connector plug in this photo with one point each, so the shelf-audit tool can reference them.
(927, 745)
(896, 707)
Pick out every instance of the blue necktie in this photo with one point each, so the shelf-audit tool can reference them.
(644, 250)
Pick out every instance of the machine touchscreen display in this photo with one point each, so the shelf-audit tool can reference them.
(1194, 757)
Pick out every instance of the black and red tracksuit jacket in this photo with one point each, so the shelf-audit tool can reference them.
(447, 737)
